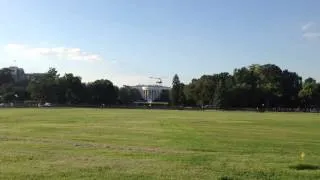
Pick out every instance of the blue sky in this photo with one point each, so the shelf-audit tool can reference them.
(128, 41)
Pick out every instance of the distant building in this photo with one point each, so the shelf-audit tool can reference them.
(150, 93)
(17, 73)
(33, 76)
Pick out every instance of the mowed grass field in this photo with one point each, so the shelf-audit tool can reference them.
(157, 144)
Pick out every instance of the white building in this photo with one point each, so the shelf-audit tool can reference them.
(150, 92)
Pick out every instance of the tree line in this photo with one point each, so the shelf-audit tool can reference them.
(247, 87)
(67, 89)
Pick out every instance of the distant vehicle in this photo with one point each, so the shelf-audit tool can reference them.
(2, 105)
(209, 107)
(45, 105)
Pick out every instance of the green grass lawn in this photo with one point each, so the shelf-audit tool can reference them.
(157, 144)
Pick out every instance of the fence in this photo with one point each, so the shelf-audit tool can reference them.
(157, 106)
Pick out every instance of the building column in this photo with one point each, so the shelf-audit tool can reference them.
(145, 94)
(152, 94)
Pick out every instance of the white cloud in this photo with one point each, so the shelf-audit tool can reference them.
(56, 52)
(312, 35)
(311, 31)
(308, 26)
(15, 46)
(39, 59)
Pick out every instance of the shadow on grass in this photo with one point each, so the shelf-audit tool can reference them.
(305, 167)
(226, 178)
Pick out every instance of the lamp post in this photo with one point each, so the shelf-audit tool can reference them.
(15, 99)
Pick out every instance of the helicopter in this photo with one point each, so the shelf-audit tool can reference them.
(159, 80)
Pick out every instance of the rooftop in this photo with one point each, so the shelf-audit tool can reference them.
(143, 85)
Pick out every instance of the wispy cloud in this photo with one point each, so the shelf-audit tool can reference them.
(56, 52)
(312, 35)
(308, 26)
(311, 31)
(113, 61)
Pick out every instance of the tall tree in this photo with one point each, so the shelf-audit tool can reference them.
(224, 83)
(219, 95)
(189, 92)
(291, 84)
(242, 94)
(164, 96)
(128, 95)
(5, 77)
(177, 95)
(102, 92)
(310, 93)
(71, 89)
(6, 85)
(45, 87)
(270, 84)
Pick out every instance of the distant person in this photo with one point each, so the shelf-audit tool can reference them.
(261, 108)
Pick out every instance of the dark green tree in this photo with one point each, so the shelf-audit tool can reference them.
(310, 93)
(44, 88)
(220, 99)
(291, 84)
(71, 90)
(5, 77)
(102, 92)
(128, 95)
(164, 96)
(177, 94)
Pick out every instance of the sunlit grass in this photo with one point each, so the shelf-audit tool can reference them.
(157, 144)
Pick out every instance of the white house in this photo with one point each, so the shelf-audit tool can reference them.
(150, 92)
